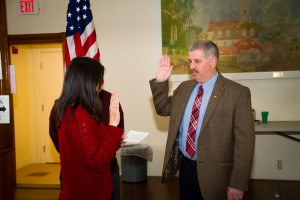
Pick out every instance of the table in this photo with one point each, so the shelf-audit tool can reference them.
(282, 128)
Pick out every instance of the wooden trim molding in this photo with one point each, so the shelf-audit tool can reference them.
(36, 38)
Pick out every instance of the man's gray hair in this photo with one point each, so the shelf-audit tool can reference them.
(208, 46)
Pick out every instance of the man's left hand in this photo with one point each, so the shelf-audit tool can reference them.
(234, 194)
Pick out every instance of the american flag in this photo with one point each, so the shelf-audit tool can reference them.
(80, 31)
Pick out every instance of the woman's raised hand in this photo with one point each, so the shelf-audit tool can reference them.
(114, 112)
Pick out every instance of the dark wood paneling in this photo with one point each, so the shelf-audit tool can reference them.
(7, 140)
(7, 173)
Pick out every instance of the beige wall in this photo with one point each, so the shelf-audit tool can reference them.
(129, 36)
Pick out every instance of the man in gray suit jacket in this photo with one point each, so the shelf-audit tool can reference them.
(220, 167)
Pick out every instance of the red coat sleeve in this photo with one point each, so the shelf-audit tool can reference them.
(94, 144)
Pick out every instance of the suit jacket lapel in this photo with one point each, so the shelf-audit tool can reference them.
(214, 99)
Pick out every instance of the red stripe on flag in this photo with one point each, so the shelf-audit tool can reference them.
(78, 46)
(67, 53)
(97, 56)
(91, 39)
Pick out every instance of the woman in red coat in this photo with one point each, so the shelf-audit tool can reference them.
(86, 145)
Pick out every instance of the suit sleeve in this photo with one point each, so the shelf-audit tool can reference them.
(162, 103)
(121, 124)
(244, 141)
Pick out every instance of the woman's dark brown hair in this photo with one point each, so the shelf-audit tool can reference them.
(79, 87)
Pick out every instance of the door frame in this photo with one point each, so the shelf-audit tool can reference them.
(47, 38)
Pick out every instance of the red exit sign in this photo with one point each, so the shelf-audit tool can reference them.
(28, 7)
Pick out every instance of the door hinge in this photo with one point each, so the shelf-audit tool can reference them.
(42, 107)
(44, 149)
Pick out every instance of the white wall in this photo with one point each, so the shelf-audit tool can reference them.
(129, 36)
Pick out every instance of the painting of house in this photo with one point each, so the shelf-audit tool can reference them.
(248, 38)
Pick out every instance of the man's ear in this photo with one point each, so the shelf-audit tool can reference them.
(213, 62)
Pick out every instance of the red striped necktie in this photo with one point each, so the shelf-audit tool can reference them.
(190, 139)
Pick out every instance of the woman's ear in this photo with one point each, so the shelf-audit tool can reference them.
(98, 89)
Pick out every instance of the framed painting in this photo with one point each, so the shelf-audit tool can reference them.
(256, 39)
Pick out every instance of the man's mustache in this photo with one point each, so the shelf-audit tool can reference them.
(193, 70)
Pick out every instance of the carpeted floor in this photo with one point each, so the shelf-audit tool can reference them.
(39, 176)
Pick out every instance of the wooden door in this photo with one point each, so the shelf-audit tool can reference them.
(52, 73)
